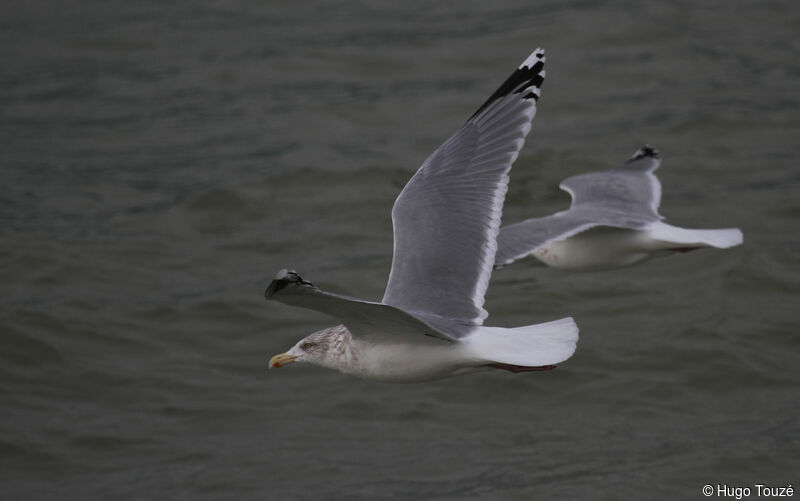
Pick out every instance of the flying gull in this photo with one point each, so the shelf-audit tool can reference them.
(429, 323)
(613, 221)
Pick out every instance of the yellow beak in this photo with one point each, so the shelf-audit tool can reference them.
(280, 360)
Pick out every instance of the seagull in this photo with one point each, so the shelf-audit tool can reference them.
(429, 324)
(613, 221)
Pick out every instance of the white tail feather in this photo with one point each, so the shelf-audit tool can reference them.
(529, 346)
(720, 238)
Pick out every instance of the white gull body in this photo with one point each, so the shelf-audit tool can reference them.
(613, 221)
(429, 323)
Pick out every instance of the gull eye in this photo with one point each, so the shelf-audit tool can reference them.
(307, 345)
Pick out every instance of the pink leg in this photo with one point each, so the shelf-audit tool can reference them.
(685, 249)
(520, 368)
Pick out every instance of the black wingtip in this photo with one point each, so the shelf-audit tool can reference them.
(283, 279)
(526, 80)
(644, 152)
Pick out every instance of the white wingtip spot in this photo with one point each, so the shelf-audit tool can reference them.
(533, 58)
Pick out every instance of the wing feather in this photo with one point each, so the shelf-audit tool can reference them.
(447, 217)
(625, 197)
(362, 318)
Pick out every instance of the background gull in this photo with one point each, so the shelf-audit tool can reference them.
(429, 323)
(613, 221)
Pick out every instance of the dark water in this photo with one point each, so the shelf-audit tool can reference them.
(161, 161)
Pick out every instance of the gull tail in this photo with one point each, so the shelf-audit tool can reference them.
(688, 237)
(532, 347)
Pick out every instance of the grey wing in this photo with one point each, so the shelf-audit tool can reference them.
(625, 197)
(518, 240)
(360, 317)
(447, 217)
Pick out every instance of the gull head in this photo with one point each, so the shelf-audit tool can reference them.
(327, 347)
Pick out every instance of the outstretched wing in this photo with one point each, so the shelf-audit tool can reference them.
(625, 197)
(363, 318)
(631, 191)
(518, 240)
(447, 217)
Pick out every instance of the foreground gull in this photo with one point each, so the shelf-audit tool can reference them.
(446, 220)
(613, 221)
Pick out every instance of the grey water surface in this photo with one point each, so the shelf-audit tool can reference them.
(161, 161)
